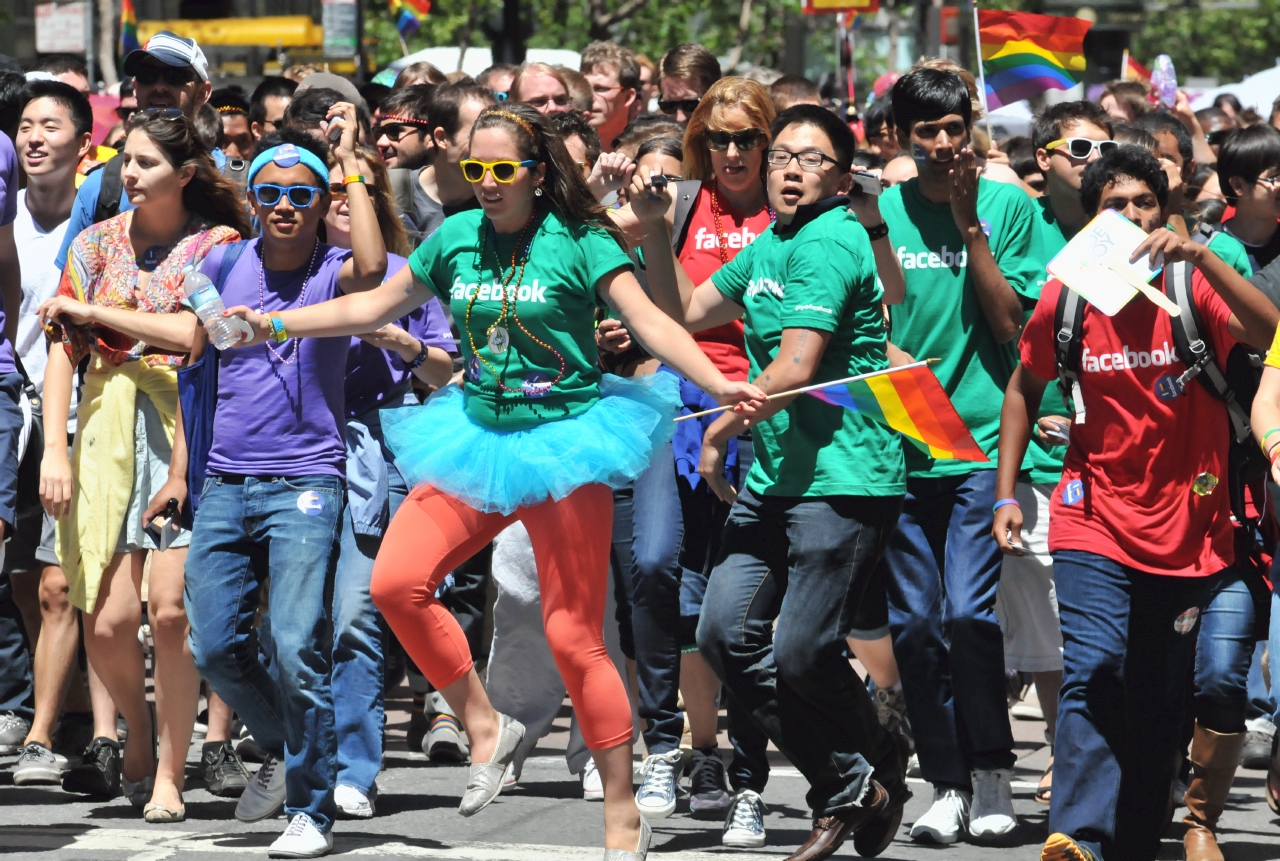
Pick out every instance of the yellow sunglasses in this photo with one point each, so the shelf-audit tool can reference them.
(503, 171)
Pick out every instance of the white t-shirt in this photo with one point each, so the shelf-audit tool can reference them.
(40, 276)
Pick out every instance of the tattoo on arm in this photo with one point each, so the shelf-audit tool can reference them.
(797, 355)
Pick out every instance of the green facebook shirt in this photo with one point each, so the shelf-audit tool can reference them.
(940, 316)
(818, 273)
(1043, 463)
(554, 303)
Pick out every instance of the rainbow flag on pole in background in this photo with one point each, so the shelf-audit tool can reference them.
(1025, 54)
(910, 400)
(409, 14)
(1132, 70)
(128, 28)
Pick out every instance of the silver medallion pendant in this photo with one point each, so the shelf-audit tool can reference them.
(499, 340)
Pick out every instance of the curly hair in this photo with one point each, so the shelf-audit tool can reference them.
(209, 194)
(564, 186)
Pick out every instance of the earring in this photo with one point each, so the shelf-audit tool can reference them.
(537, 192)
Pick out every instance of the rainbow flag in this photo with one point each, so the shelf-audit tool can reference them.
(128, 28)
(1132, 70)
(911, 401)
(1025, 54)
(409, 14)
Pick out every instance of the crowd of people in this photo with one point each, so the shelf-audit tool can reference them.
(353, 353)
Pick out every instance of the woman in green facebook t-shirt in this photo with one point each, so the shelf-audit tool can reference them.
(536, 433)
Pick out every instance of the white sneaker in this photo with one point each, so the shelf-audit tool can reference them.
(592, 785)
(992, 814)
(354, 803)
(744, 826)
(945, 821)
(509, 777)
(301, 840)
(656, 796)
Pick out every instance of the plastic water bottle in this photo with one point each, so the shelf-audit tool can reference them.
(1165, 81)
(224, 332)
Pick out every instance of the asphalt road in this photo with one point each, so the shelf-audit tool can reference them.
(543, 819)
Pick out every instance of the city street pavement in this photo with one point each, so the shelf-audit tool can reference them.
(543, 819)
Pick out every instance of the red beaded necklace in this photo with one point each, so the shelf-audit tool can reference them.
(716, 212)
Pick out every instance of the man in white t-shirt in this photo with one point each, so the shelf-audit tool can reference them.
(54, 134)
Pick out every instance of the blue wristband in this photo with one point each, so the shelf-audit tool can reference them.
(1000, 503)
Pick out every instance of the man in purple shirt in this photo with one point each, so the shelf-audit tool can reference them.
(16, 692)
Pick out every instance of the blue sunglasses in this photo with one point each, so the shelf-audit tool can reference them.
(301, 196)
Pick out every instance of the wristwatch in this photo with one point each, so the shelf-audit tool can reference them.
(880, 231)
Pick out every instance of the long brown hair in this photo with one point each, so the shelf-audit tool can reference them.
(564, 186)
(384, 202)
(209, 194)
(725, 94)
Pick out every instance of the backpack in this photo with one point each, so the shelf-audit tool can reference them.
(1257, 534)
(108, 203)
(198, 395)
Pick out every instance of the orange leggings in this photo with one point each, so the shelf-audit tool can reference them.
(433, 533)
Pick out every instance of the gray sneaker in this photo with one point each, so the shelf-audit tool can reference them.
(264, 796)
(13, 732)
(39, 766)
(656, 796)
(1257, 743)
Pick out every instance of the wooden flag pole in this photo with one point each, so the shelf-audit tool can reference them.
(922, 363)
(982, 76)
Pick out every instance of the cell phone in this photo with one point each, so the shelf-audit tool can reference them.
(1057, 433)
(658, 182)
(866, 183)
(335, 129)
(167, 532)
(1015, 549)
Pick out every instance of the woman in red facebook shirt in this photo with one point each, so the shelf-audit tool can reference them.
(1137, 528)
(677, 518)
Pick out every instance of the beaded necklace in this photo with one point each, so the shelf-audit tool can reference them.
(498, 336)
(262, 285)
(716, 211)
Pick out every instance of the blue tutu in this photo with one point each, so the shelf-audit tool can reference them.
(611, 443)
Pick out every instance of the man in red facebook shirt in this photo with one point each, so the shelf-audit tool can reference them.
(1134, 537)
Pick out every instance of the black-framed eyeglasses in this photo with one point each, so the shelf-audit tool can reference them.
(539, 102)
(300, 196)
(810, 161)
(1219, 137)
(174, 76)
(155, 114)
(674, 106)
(1271, 182)
(718, 141)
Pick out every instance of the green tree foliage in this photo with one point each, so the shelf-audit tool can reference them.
(1227, 44)
(654, 26)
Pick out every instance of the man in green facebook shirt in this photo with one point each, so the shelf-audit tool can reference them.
(804, 537)
(968, 252)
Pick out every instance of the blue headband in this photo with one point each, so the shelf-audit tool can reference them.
(287, 155)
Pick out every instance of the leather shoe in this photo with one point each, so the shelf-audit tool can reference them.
(830, 831)
(881, 825)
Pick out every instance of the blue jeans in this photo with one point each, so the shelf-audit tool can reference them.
(1224, 651)
(1128, 646)
(248, 529)
(943, 568)
(17, 691)
(804, 562)
(357, 641)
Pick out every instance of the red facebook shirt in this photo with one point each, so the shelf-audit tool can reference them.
(1126, 489)
(700, 256)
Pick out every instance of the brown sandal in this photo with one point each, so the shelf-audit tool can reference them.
(1046, 784)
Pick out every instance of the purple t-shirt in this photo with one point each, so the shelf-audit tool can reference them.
(372, 374)
(273, 417)
(8, 214)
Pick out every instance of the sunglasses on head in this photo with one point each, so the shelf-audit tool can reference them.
(1082, 147)
(670, 108)
(503, 171)
(300, 196)
(174, 76)
(155, 114)
(746, 139)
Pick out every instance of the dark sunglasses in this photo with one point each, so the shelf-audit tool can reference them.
(174, 76)
(125, 113)
(743, 140)
(300, 196)
(155, 114)
(541, 101)
(396, 131)
(670, 108)
(1219, 137)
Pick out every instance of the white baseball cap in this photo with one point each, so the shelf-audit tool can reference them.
(172, 50)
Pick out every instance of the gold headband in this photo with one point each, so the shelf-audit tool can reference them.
(515, 118)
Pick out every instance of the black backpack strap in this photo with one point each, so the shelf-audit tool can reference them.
(1196, 352)
(1068, 321)
(108, 204)
(686, 194)
(1205, 232)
